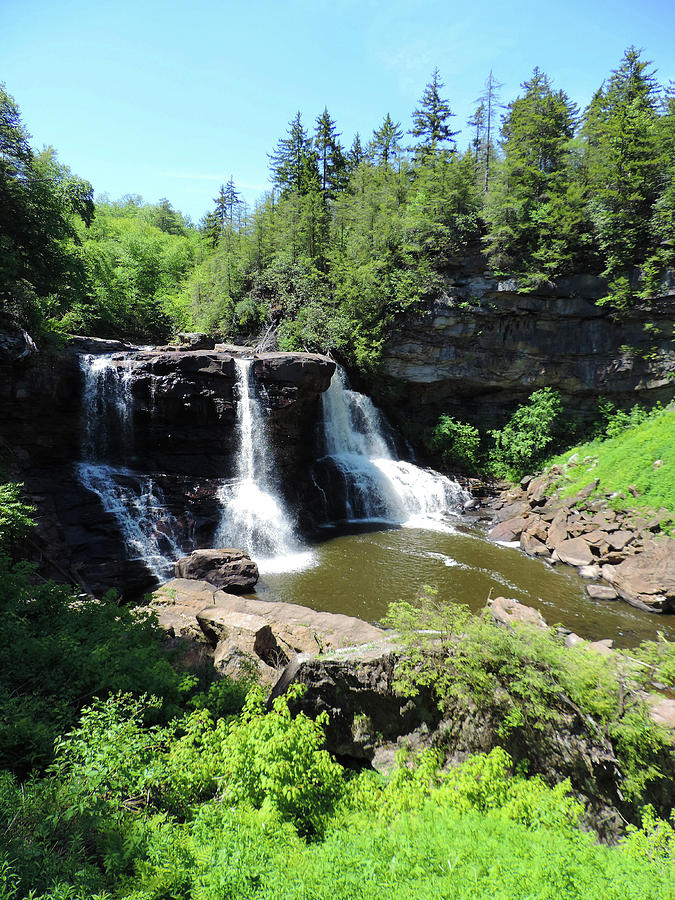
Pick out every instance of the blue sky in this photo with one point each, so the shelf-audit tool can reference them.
(164, 98)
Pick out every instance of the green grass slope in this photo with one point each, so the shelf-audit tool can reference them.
(642, 456)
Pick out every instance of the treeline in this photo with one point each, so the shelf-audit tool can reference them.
(347, 239)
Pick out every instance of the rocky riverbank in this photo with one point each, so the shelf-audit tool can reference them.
(620, 551)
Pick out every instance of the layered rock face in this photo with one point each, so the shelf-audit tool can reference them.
(179, 429)
(483, 348)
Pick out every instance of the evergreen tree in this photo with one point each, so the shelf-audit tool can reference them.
(331, 158)
(484, 122)
(356, 153)
(288, 162)
(385, 142)
(533, 198)
(431, 120)
(624, 169)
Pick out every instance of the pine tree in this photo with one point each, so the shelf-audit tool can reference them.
(385, 142)
(331, 158)
(431, 120)
(288, 161)
(624, 169)
(537, 222)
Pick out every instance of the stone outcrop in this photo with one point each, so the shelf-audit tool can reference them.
(245, 636)
(369, 721)
(230, 569)
(648, 578)
(621, 547)
(484, 346)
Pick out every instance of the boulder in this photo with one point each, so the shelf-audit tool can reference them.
(662, 711)
(511, 510)
(508, 611)
(252, 637)
(574, 552)
(15, 345)
(618, 539)
(646, 579)
(601, 592)
(226, 568)
(533, 546)
(508, 531)
(195, 340)
(557, 532)
(592, 571)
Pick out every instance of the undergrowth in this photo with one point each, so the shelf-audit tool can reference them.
(641, 456)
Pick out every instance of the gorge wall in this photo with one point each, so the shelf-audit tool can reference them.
(482, 348)
(182, 422)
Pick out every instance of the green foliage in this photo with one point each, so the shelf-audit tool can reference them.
(15, 517)
(526, 440)
(458, 443)
(526, 681)
(63, 651)
(628, 459)
(277, 759)
(654, 840)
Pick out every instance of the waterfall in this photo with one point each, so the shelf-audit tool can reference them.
(373, 484)
(149, 530)
(254, 517)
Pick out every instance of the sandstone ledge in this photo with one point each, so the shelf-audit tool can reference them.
(242, 635)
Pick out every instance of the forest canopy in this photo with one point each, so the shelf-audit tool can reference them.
(348, 238)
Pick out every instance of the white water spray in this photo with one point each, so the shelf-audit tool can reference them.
(254, 517)
(376, 485)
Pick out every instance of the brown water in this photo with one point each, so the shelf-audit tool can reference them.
(361, 573)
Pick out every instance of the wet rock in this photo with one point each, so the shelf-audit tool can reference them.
(15, 345)
(533, 546)
(227, 568)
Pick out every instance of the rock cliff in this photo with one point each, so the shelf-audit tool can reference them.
(482, 348)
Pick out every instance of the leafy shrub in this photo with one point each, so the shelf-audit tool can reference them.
(528, 437)
(275, 758)
(526, 680)
(457, 442)
(15, 517)
(64, 651)
(654, 840)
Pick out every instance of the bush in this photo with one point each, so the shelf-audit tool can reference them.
(457, 442)
(523, 444)
(15, 517)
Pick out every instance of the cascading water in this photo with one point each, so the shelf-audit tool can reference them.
(254, 517)
(149, 530)
(374, 484)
